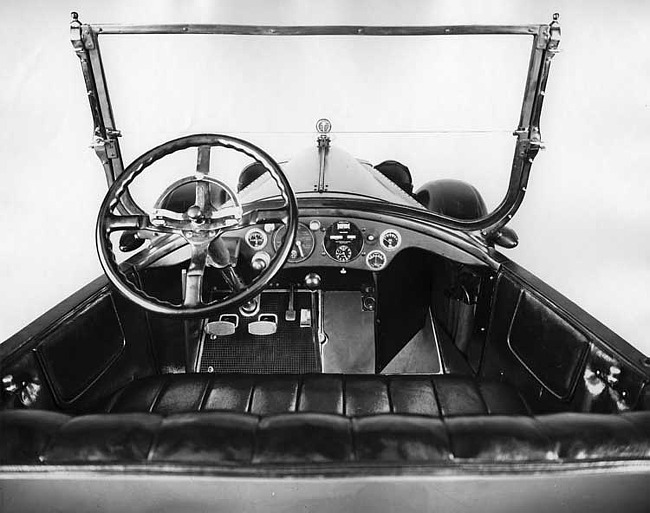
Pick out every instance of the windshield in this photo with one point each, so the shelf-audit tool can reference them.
(444, 106)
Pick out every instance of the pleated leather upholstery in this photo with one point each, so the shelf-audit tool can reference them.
(259, 420)
(351, 395)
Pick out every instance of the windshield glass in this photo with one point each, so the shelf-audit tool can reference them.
(444, 106)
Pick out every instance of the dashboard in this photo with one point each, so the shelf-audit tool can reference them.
(330, 241)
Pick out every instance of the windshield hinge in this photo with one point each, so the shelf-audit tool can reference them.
(550, 36)
(528, 145)
(554, 34)
(106, 147)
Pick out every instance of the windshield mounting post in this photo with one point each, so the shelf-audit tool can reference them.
(529, 139)
(105, 134)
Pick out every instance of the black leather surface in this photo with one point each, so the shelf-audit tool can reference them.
(227, 438)
(501, 360)
(546, 344)
(350, 395)
(77, 351)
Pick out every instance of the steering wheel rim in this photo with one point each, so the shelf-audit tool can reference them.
(107, 222)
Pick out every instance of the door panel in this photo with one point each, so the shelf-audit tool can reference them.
(82, 348)
(80, 351)
(556, 354)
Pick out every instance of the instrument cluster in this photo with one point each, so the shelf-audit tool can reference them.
(337, 241)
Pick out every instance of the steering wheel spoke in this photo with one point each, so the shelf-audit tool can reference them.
(194, 278)
(141, 222)
(203, 161)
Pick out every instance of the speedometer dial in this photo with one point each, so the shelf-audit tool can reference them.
(303, 246)
(343, 241)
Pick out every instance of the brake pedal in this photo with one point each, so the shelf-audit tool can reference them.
(266, 324)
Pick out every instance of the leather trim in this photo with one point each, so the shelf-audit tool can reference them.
(64, 333)
(227, 438)
(522, 337)
(350, 395)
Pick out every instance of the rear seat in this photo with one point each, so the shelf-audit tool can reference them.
(241, 419)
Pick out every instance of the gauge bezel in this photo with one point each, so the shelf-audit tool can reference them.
(392, 231)
(361, 238)
(376, 251)
(307, 230)
(260, 232)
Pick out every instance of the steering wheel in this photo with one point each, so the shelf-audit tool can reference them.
(201, 226)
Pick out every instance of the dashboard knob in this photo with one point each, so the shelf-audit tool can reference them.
(312, 281)
(260, 261)
(369, 303)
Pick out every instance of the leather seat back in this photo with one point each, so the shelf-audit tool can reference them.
(349, 395)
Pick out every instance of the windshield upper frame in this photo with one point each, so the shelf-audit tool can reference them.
(544, 44)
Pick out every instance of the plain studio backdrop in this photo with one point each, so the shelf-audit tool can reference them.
(583, 226)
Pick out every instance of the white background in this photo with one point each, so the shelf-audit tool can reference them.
(584, 224)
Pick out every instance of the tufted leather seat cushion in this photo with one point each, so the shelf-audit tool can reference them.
(228, 438)
(351, 395)
(218, 420)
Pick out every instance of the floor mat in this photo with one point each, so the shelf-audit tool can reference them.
(350, 348)
(291, 350)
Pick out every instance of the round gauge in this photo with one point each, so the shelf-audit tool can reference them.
(303, 246)
(376, 260)
(343, 241)
(343, 253)
(390, 239)
(256, 238)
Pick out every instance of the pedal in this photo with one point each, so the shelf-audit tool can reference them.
(290, 314)
(226, 325)
(266, 324)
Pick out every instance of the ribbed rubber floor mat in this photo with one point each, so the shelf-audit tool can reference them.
(291, 350)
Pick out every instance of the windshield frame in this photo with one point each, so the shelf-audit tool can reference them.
(545, 40)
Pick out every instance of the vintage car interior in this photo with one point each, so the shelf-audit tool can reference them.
(285, 330)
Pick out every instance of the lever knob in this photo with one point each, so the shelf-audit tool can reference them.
(312, 281)
(260, 261)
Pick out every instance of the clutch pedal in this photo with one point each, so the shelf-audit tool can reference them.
(226, 325)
